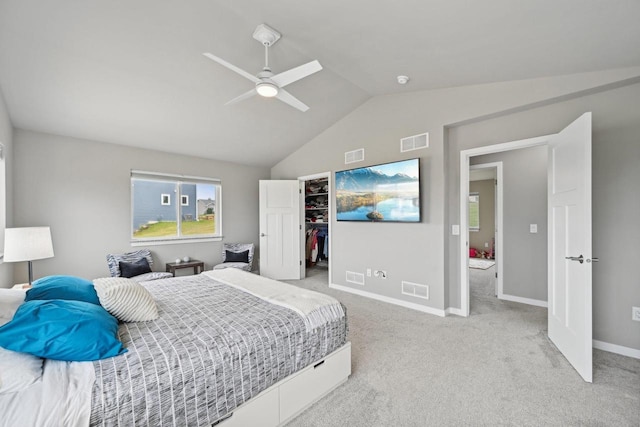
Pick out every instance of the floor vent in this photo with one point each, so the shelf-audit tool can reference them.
(415, 142)
(353, 277)
(354, 156)
(415, 290)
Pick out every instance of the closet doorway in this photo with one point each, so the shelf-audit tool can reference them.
(316, 231)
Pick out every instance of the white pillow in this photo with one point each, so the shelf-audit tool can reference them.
(126, 299)
(10, 300)
(18, 370)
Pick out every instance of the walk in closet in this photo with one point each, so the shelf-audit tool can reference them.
(317, 211)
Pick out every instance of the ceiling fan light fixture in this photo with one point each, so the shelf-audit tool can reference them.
(267, 89)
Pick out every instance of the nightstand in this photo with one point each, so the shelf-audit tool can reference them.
(198, 266)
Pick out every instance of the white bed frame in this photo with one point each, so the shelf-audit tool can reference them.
(286, 399)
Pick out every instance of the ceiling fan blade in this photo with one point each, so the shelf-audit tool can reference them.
(286, 97)
(242, 97)
(232, 67)
(297, 73)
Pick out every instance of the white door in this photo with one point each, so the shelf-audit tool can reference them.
(280, 229)
(569, 211)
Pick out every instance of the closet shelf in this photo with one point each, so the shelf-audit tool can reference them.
(317, 219)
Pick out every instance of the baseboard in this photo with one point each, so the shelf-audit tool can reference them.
(456, 311)
(390, 300)
(530, 301)
(618, 349)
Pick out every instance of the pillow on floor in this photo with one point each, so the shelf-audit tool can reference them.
(126, 299)
(63, 287)
(73, 331)
(18, 370)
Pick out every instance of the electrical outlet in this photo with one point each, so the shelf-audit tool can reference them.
(368, 272)
(486, 244)
(635, 314)
(380, 273)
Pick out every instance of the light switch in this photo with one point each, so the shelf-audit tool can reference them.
(455, 229)
(533, 228)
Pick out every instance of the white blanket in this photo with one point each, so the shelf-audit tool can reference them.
(315, 308)
(61, 398)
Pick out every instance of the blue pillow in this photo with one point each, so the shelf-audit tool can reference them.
(62, 330)
(63, 287)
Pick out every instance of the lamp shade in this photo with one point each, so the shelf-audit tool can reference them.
(27, 244)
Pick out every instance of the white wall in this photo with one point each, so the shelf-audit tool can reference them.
(6, 194)
(426, 253)
(81, 189)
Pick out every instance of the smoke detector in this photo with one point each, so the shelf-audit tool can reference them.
(403, 80)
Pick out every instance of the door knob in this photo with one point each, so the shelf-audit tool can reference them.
(580, 258)
(262, 234)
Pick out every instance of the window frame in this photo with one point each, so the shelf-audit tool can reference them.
(184, 197)
(176, 180)
(162, 198)
(474, 194)
(3, 200)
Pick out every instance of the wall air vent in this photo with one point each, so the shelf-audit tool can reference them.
(353, 277)
(354, 156)
(415, 290)
(415, 142)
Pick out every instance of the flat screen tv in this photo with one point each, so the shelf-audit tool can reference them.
(382, 193)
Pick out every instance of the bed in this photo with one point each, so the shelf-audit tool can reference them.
(229, 349)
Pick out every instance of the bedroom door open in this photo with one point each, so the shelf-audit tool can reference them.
(570, 258)
(280, 213)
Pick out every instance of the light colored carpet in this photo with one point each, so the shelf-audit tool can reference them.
(480, 263)
(495, 368)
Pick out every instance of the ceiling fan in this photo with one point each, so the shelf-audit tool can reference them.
(267, 84)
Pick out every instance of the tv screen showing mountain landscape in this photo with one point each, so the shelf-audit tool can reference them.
(383, 193)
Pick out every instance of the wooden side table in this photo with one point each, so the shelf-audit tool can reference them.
(198, 266)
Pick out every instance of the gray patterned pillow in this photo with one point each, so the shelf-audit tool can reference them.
(113, 260)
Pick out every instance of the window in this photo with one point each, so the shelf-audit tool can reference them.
(197, 216)
(474, 212)
(3, 200)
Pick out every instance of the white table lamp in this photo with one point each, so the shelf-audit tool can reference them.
(27, 244)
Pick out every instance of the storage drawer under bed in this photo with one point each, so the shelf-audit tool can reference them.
(288, 398)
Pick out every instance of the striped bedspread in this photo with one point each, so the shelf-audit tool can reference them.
(213, 348)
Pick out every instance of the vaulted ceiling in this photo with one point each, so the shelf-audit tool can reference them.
(132, 72)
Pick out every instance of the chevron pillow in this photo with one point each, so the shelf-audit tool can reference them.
(126, 299)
